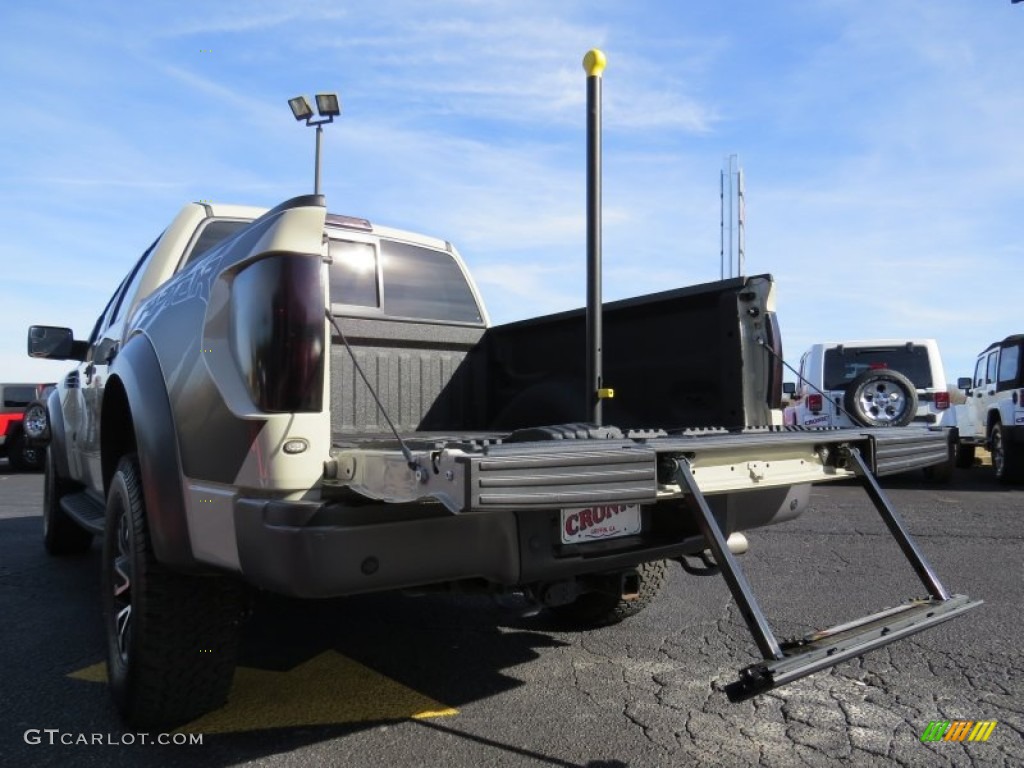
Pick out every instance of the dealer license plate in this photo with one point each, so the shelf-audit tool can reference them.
(601, 521)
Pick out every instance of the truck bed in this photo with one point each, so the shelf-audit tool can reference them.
(675, 359)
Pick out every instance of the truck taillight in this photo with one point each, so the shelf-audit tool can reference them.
(942, 400)
(814, 403)
(278, 332)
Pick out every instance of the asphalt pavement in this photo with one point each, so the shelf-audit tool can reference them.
(393, 680)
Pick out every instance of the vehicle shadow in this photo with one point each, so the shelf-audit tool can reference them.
(977, 478)
(310, 672)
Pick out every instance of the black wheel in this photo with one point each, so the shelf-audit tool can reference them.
(939, 474)
(881, 398)
(600, 609)
(943, 473)
(1007, 458)
(965, 456)
(23, 457)
(172, 638)
(61, 534)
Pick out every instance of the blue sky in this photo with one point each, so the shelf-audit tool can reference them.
(879, 138)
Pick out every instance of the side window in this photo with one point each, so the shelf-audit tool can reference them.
(212, 234)
(993, 362)
(101, 321)
(1008, 362)
(979, 373)
(354, 278)
(133, 279)
(18, 397)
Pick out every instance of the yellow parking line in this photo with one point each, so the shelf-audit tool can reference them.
(329, 689)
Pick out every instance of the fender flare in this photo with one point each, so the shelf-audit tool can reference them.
(58, 445)
(138, 371)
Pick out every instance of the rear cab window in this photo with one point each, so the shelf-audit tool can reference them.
(844, 364)
(390, 278)
(1009, 366)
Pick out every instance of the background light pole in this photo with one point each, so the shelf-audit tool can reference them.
(328, 107)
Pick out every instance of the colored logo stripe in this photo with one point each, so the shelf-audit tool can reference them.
(958, 730)
(982, 730)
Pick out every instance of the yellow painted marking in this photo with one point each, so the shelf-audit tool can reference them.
(329, 689)
(97, 673)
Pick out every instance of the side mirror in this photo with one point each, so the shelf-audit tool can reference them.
(53, 343)
(789, 388)
(964, 383)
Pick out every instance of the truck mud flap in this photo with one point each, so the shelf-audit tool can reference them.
(785, 662)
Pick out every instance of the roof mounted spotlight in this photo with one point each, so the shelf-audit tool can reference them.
(329, 107)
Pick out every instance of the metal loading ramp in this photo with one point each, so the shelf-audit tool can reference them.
(784, 662)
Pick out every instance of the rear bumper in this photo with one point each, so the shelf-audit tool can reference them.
(306, 549)
(505, 525)
(283, 548)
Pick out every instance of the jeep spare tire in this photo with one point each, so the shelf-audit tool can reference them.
(881, 398)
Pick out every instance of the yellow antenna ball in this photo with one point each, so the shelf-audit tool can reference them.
(594, 62)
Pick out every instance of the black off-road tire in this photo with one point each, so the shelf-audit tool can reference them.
(601, 609)
(1007, 457)
(172, 638)
(964, 456)
(61, 534)
(881, 398)
(22, 456)
(940, 474)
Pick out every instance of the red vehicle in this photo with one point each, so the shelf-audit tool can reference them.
(14, 401)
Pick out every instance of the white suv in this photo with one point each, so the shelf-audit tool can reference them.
(993, 416)
(871, 383)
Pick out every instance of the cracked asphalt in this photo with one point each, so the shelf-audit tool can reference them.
(644, 693)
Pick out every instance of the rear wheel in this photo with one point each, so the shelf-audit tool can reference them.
(23, 457)
(600, 609)
(1007, 458)
(943, 473)
(964, 456)
(61, 534)
(171, 638)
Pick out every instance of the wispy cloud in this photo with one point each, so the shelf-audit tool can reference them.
(881, 144)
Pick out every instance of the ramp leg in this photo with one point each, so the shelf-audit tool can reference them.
(895, 525)
(738, 585)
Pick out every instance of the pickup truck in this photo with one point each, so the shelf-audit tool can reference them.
(315, 405)
(15, 401)
(993, 415)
